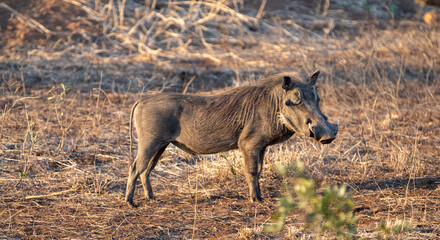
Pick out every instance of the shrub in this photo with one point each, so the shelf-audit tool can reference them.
(327, 208)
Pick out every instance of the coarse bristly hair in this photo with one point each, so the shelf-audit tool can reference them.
(239, 105)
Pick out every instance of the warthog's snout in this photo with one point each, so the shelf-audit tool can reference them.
(324, 135)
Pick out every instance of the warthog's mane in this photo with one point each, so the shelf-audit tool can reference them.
(239, 105)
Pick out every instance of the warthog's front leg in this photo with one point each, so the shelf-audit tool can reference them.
(253, 164)
(260, 166)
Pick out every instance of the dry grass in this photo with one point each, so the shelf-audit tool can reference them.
(63, 162)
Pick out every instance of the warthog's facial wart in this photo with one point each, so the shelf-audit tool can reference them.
(301, 112)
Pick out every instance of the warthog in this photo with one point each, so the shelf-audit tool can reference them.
(248, 118)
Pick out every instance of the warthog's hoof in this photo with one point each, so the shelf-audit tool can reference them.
(150, 198)
(131, 204)
(256, 198)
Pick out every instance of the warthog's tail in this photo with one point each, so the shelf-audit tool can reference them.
(131, 132)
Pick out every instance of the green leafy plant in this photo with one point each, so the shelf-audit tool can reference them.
(234, 169)
(327, 209)
(61, 95)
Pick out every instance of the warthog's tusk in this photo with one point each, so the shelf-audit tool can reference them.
(311, 129)
(337, 123)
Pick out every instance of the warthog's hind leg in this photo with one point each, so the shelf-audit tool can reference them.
(146, 153)
(145, 176)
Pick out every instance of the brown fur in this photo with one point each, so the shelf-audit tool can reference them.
(249, 118)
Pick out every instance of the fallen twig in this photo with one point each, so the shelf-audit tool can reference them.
(51, 194)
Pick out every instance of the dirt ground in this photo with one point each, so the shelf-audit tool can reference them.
(71, 70)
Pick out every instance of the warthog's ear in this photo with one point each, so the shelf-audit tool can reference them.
(313, 78)
(286, 83)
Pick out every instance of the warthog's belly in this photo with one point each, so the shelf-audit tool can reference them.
(205, 144)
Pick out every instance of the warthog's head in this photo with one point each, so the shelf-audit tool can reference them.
(299, 110)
